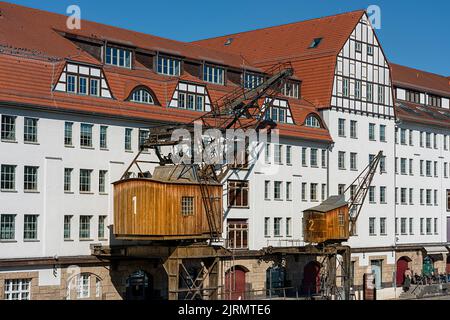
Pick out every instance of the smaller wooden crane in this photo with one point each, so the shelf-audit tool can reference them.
(334, 221)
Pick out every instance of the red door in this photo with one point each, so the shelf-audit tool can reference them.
(235, 284)
(311, 278)
(402, 265)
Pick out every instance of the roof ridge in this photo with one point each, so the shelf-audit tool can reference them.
(281, 25)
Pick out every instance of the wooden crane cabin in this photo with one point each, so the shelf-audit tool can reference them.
(167, 206)
(328, 222)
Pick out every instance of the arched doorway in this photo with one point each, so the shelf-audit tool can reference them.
(275, 279)
(311, 278)
(402, 266)
(235, 283)
(139, 286)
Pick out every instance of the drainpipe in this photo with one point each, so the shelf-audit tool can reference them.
(396, 123)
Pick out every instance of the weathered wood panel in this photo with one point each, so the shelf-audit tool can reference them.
(321, 227)
(150, 209)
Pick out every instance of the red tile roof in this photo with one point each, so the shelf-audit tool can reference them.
(33, 54)
(408, 111)
(315, 67)
(407, 77)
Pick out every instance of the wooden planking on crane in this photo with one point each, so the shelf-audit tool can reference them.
(152, 209)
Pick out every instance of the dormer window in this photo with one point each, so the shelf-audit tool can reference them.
(142, 95)
(252, 80)
(358, 46)
(213, 74)
(291, 89)
(118, 57)
(83, 80)
(279, 111)
(191, 96)
(315, 43)
(169, 66)
(312, 122)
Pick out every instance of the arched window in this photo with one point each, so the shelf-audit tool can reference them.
(312, 121)
(142, 95)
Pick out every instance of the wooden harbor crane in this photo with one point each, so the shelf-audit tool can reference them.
(333, 222)
(179, 205)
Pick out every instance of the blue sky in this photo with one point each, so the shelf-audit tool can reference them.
(414, 33)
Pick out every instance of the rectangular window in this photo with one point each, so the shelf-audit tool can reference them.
(83, 286)
(102, 181)
(403, 195)
(169, 66)
(268, 154)
(85, 227)
(353, 162)
(187, 206)
(421, 167)
(68, 126)
(118, 57)
(403, 136)
(67, 227)
(383, 226)
(413, 96)
(381, 94)
(267, 190)
(213, 74)
(353, 129)
(448, 200)
(252, 80)
(422, 199)
(237, 234)
(85, 180)
(313, 157)
(421, 138)
(403, 166)
(428, 199)
(411, 135)
(324, 158)
(17, 289)
(428, 140)
(324, 191)
(288, 190)
(411, 167)
(428, 225)
(382, 133)
(358, 46)
(94, 87)
(190, 102)
(30, 227)
(288, 227)
(396, 195)
(277, 227)
(341, 160)
(101, 227)
(8, 178)
(238, 193)
(411, 226)
(411, 196)
(435, 197)
(370, 50)
(288, 155)
(103, 137)
(86, 135)
(428, 168)
(82, 85)
(71, 83)
(403, 226)
(128, 133)
(277, 190)
(68, 179)
(7, 227)
(435, 141)
(422, 226)
(372, 194)
(341, 189)
(30, 130)
(143, 136)
(436, 226)
(383, 164)
(396, 226)
(345, 91)
(266, 227)
(435, 167)
(304, 162)
(8, 128)
(290, 89)
(304, 191)
(30, 178)
(372, 226)
(341, 127)
(370, 92)
(372, 131)
(445, 142)
(445, 169)
(357, 89)
(313, 192)
(383, 194)
(277, 155)
(434, 101)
